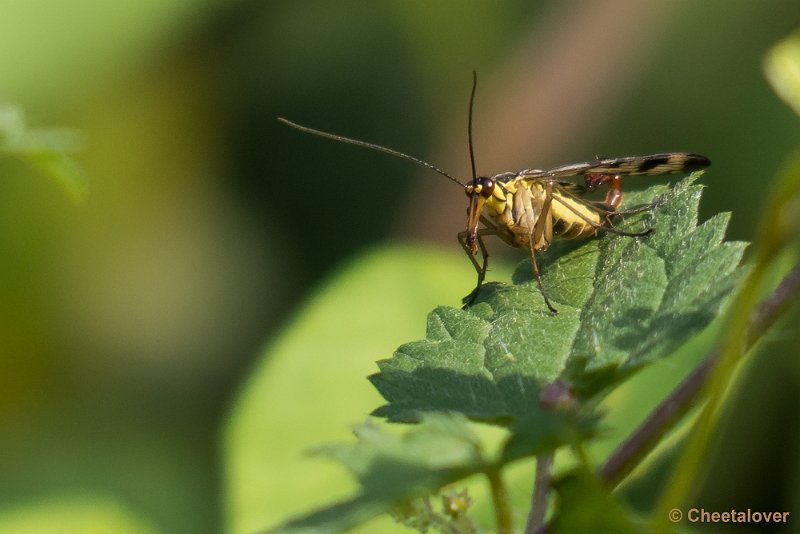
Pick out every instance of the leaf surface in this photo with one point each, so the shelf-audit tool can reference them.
(622, 303)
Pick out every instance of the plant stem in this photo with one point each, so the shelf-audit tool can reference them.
(502, 506)
(664, 417)
(544, 466)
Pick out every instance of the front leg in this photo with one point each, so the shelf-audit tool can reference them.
(480, 267)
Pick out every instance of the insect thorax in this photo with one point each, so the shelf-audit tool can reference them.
(517, 203)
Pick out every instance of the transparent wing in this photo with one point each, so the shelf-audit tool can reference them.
(651, 165)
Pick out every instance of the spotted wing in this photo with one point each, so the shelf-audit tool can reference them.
(651, 165)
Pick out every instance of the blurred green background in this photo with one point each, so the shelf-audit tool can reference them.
(127, 324)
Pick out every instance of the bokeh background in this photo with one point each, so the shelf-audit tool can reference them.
(128, 323)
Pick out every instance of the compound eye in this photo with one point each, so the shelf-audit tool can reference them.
(482, 186)
(486, 187)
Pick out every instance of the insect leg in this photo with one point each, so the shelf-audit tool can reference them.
(610, 229)
(538, 277)
(542, 229)
(647, 207)
(480, 267)
(634, 211)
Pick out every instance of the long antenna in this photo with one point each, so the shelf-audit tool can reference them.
(373, 146)
(469, 128)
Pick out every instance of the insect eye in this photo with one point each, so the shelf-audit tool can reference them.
(482, 186)
(487, 187)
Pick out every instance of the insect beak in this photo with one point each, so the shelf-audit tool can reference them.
(476, 201)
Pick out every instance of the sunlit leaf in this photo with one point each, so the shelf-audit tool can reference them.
(392, 468)
(44, 149)
(73, 514)
(782, 68)
(622, 303)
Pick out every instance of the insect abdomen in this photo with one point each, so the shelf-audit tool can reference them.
(574, 229)
(567, 224)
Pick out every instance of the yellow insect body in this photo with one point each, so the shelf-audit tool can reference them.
(520, 212)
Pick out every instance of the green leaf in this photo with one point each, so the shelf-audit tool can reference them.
(309, 386)
(394, 468)
(44, 149)
(73, 514)
(622, 303)
(782, 69)
(488, 363)
(587, 507)
(651, 295)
